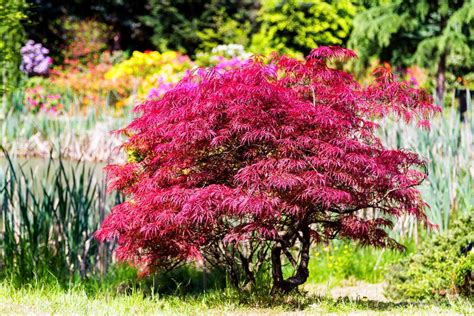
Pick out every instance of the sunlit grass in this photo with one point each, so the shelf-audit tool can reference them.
(35, 300)
(341, 261)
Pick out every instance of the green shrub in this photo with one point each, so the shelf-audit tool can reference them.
(438, 268)
(341, 260)
(464, 275)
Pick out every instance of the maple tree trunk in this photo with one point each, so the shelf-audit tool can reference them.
(281, 285)
(240, 276)
(249, 275)
(233, 277)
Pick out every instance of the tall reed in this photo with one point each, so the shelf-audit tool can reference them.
(448, 150)
(48, 218)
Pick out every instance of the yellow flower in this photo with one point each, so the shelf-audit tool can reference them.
(149, 69)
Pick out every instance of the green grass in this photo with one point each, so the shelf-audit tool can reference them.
(55, 300)
(340, 261)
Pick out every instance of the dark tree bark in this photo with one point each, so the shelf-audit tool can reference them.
(281, 285)
(233, 277)
(249, 276)
(440, 78)
(441, 72)
(463, 95)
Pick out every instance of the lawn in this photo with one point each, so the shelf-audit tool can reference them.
(50, 300)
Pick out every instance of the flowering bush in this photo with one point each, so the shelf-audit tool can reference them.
(35, 60)
(37, 99)
(150, 70)
(86, 82)
(223, 56)
(244, 167)
(86, 40)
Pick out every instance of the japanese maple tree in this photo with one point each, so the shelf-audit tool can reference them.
(254, 164)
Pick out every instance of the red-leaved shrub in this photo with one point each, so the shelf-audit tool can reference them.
(252, 165)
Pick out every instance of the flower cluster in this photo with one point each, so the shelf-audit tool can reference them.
(223, 57)
(35, 60)
(416, 76)
(230, 50)
(86, 41)
(39, 100)
(150, 72)
(160, 89)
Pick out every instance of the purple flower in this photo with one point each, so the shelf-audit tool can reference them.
(160, 89)
(34, 59)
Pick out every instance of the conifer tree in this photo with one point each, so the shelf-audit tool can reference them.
(186, 25)
(438, 35)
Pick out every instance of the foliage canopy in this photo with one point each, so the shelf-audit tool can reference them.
(12, 37)
(238, 167)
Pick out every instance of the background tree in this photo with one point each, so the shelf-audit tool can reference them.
(12, 38)
(438, 35)
(254, 164)
(299, 26)
(185, 25)
(49, 20)
(224, 29)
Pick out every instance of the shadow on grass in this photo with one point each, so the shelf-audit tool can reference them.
(302, 301)
(208, 290)
(261, 299)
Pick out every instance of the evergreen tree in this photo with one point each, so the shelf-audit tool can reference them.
(297, 26)
(438, 35)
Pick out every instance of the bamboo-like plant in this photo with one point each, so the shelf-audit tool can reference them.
(448, 148)
(48, 218)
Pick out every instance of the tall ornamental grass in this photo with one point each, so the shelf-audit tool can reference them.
(448, 148)
(47, 220)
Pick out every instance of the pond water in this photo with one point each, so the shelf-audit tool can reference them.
(39, 166)
(41, 171)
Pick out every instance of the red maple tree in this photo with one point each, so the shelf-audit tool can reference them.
(252, 165)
